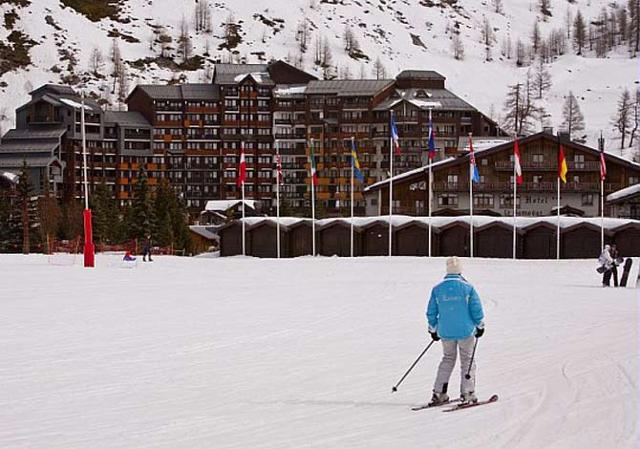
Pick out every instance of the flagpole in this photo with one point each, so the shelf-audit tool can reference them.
(243, 222)
(558, 230)
(515, 202)
(430, 180)
(352, 171)
(313, 203)
(390, 179)
(470, 198)
(278, 198)
(601, 212)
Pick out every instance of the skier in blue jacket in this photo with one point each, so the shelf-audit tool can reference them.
(455, 315)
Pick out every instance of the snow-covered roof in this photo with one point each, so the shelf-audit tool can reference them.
(396, 178)
(75, 104)
(205, 231)
(286, 90)
(12, 177)
(259, 77)
(624, 193)
(223, 205)
(566, 222)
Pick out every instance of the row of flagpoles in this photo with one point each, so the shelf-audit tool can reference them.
(394, 149)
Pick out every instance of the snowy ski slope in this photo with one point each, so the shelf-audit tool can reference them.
(240, 352)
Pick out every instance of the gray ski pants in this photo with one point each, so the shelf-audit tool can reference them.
(450, 352)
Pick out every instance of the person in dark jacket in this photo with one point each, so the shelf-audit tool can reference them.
(146, 249)
(615, 255)
(455, 315)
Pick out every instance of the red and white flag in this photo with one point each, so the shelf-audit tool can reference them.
(603, 166)
(516, 161)
(279, 178)
(242, 171)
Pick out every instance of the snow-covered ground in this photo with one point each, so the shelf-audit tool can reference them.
(241, 352)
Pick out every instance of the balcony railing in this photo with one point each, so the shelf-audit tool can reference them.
(579, 187)
(549, 166)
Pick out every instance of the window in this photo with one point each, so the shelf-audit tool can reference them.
(587, 199)
(578, 161)
(452, 179)
(448, 200)
(576, 179)
(537, 179)
(634, 180)
(483, 200)
(506, 200)
(484, 162)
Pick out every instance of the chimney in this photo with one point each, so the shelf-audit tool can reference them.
(564, 136)
(601, 142)
(548, 130)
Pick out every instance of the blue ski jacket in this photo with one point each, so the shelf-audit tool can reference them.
(454, 309)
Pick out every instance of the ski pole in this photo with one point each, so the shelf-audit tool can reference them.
(395, 388)
(473, 355)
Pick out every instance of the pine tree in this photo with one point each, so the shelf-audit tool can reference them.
(545, 9)
(622, 119)
(379, 71)
(142, 216)
(634, 27)
(96, 62)
(635, 117)
(49, 216)
(10, 233)
(572, 118)
(71, 226)
(579, 32)
(106, 216)
(26, 204)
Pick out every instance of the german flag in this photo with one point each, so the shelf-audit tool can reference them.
(562, 165)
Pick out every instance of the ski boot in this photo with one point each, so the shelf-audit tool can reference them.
(468, 398)
(438, 399)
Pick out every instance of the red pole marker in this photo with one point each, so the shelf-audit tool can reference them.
(89, 249)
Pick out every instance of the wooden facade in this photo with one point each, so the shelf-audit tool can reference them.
(580, 242)
(300, 239)
(231, 239)
(376, 239)
(537, 196)
(412, 239)
(539, 241)
(627, 239)
(454, 239)
(263, 238)
(495, 240)
(334, 240)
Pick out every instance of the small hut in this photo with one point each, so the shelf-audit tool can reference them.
(495, 240)
(375, 238)
(412, 239)
(580, 241)
(454, 239)
(300, 239)
(231, 239)
(263, 237)
(627, 239)
(539, 241)
(335, 237)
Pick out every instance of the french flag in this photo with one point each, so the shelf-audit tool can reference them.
(394, 136)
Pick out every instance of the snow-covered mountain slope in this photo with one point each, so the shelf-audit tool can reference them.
(402, 33)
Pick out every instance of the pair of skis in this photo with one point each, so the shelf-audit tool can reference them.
(456, 404)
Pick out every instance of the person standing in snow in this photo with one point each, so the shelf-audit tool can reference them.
(615, 255)
(146, 250)
(606, 261)
(455, 316)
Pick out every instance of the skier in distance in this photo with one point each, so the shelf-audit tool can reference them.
(454, 314)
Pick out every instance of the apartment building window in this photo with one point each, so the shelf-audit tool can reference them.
(229, 159)
(448, 200)
(263, 103)
(229, 173)
(231, 103)
(249, 159)
(264, 159)
(175, 146)
(483, 200)
(264, 174)
(587, 199)
(210, 117)
(230, 131)
(231, 117)
(264, 131)
(210, 104)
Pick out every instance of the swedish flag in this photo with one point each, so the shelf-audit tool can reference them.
(355, 163)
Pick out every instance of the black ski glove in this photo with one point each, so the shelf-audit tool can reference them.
(479, 332)
(434, 336)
